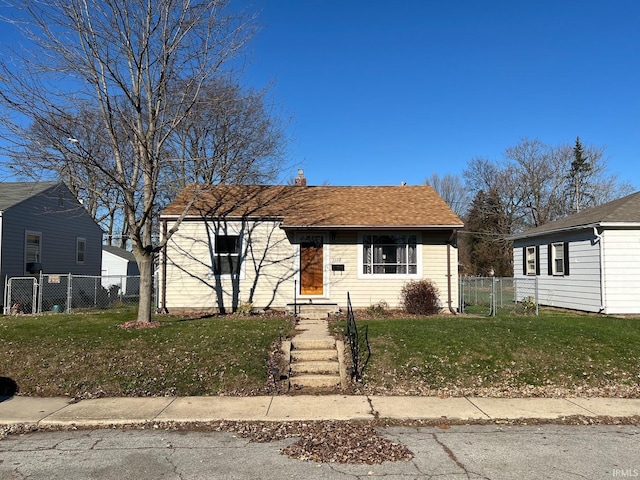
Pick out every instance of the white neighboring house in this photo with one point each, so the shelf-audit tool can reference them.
(587, 261)
(117, 265)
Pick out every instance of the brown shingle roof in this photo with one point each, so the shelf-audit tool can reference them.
(622, 210)
(321, 206)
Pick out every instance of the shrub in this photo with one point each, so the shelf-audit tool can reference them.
(244, 309)
(529, 304)
(420, 298)
(377, 309)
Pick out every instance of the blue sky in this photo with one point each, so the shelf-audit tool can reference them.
(382, 92)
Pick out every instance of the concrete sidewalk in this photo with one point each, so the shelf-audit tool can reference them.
(108, 411)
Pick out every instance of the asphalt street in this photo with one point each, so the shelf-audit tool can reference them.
(459, 452)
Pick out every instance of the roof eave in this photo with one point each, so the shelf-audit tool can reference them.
(524, 235)
(585, 226)
(372, 227)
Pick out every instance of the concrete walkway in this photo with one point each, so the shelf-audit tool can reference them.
(108, 411)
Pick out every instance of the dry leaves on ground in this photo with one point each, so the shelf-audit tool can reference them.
(326, 441)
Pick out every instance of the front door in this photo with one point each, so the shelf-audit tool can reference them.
(311, 266)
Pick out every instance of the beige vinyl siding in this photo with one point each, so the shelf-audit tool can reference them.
(266, 275)
(270, 272)
(365, 292)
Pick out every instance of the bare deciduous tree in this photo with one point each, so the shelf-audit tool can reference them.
(532, 185)
(534, 180)
(452, 190)
(124, 59)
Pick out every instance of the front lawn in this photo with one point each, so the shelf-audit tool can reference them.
(556, 353)
(86, 355)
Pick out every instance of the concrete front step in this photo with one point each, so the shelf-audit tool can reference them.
(317, 343)
(315, 381)
(315, 367)
(309, 355)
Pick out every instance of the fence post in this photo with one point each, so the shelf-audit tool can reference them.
(69, 292)
(38, 303)
(494, 299)
(536, 295)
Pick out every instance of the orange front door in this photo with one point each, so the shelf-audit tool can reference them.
(311, 267)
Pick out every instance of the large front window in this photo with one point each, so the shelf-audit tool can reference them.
(389, 254)
(227, 254)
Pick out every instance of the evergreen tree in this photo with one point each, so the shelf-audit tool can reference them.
(579, 172)
(484, 248)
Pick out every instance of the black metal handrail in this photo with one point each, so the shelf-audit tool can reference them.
(360, 347)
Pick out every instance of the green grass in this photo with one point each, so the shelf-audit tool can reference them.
(87, 354)
(558, 349)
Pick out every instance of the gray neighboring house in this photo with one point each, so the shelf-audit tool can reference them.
(44, 228)
(117, 265)
(587, 261)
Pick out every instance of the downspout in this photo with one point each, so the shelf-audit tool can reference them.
(163, 293)
(449, 300)
(603, 295)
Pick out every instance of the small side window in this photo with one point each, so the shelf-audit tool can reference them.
(559, 258)
(33, 252)
(227, 255)
(81, 246)
(531, 261)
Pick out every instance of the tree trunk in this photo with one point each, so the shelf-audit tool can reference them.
(145, 307)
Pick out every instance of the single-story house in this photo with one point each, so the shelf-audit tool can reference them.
(586, 261)
(280, 246)
(119, 268)
(45, 229)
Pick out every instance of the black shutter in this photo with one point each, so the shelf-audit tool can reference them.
(549, 261)
(524, 260)
(566, 258)
(537, 259)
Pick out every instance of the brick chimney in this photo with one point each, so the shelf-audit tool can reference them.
(300, 180)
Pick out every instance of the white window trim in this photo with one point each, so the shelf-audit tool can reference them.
(39, 260)
(389, 276)
(531, 272)
(80, 240)
(554, 257)
(299, 238)
(233, 228)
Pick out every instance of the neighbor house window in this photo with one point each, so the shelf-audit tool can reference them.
(389, 254)
(33, 252)
(227, 254)
(81, 245)
(531, 261)
(559, 258)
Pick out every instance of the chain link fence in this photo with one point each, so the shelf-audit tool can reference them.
(492, 296)
(68, 293)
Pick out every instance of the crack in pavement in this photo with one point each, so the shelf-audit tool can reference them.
(372, 410)
(453, 457)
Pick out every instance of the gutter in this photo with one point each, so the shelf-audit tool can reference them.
(603, 295)
(585, 226)
(449, 300)
(369, 227)
(163, 269)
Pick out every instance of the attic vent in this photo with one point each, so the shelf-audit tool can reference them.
(61, 199)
